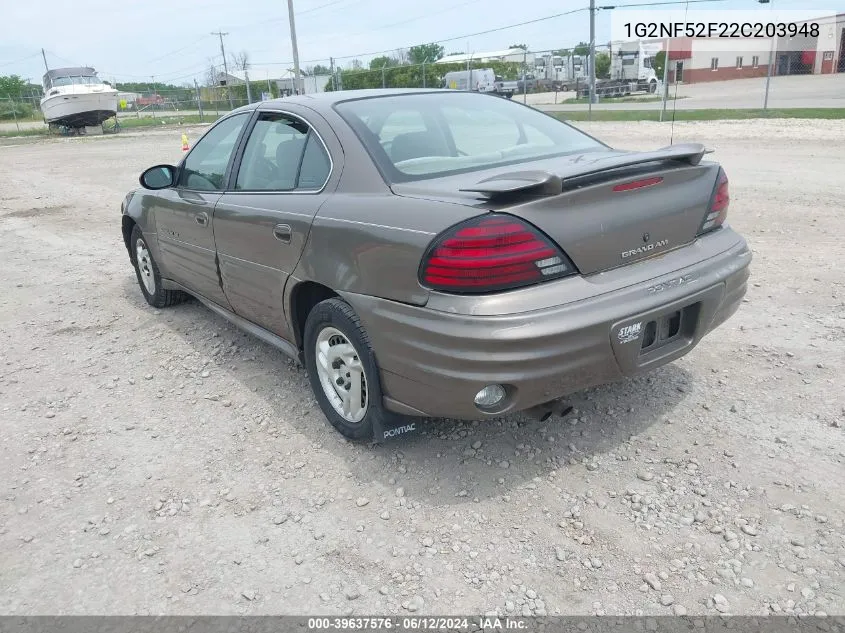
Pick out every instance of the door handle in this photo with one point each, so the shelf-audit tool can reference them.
(202, 218)
(282, 232)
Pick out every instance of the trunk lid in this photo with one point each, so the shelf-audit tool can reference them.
(604, 209)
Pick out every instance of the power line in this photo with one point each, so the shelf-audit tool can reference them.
(655, 4)
(430, 14)
(298, 13)
(390, 50)
(178, 50)
(485, 32)
(18, 61)
(324, 6)
(518, 24)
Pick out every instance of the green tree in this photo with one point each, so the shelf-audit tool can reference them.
(319, 69)
(425, 53)
(583, 48)
(377, 63)
(522, 46)
(11, 86)
(659, 63)
(603, 66)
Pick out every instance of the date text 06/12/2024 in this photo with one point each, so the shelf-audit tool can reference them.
(417, 623)
(729, 30)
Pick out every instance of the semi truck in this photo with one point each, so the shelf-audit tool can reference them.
(631, 70)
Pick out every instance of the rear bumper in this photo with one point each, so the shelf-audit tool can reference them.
(433, 362)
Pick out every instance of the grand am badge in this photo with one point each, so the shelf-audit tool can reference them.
(630, 333)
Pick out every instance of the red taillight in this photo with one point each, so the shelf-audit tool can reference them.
(491, 252)
(719, 207)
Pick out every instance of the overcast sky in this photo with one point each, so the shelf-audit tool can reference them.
(171, 39)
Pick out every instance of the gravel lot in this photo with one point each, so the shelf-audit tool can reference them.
(163, 462)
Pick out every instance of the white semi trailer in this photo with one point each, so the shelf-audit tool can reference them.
(559, 71)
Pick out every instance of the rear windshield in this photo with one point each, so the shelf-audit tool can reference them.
(417, 136)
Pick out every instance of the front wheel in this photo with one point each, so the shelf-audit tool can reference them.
(342, 370)
(149, 278)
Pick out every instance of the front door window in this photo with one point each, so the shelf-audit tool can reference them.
(205, 167)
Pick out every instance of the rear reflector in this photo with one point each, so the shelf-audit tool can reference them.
(639, 184)
(491, 252)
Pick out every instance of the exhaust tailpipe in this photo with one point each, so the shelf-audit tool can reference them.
(544, 411)
(541, 412)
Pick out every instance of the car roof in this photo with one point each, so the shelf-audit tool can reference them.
(325, 100)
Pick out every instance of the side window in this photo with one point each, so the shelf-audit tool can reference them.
(205, 167)
(315, 165)
(282, 155)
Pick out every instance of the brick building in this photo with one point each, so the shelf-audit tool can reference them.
(695, 60)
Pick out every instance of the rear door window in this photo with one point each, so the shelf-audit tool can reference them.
(282, 154)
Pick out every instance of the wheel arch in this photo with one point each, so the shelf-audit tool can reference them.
(127, 224)
(303, 297)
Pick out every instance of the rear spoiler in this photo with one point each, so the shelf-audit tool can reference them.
(546, 183)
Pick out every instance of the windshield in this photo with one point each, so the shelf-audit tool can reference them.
(417, 136)
(67, 81)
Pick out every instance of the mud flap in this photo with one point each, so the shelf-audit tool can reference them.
(393, 426)
(382, 432)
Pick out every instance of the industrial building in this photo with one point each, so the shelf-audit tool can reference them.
(509, 55)
(695, 60)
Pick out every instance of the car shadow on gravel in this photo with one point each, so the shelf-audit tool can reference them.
(451, 461)
(454, 462)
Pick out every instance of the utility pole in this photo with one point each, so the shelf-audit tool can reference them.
(248, 90)
(383, 66)
(297, 76)
(592, 55)
(225, 66)
(155, 95)
(666, 80)
(772, 60)
(44, 57)
(199, 100)
(524, 83)
(334, 78)
(423, 65)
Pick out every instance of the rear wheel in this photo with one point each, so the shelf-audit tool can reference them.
(342, 369)
(149, 278)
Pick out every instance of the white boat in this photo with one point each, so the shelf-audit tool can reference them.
(76, 97)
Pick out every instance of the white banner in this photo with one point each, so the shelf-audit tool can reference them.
(795, 29)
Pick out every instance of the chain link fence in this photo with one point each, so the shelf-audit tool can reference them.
(648, 78)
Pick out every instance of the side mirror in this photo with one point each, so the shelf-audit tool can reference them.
(158, 177)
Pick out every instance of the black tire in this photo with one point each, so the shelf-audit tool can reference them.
(160, 297)
(338, 314)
